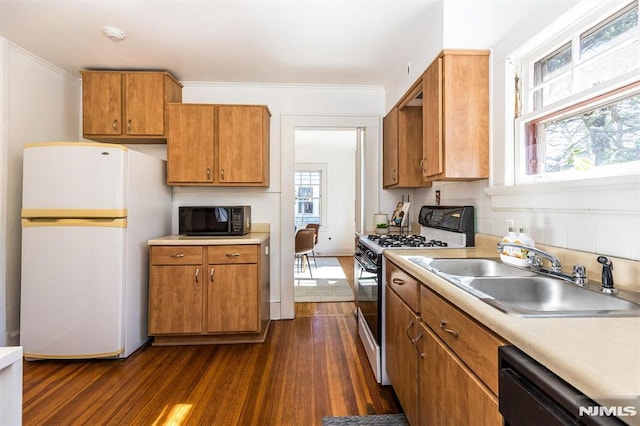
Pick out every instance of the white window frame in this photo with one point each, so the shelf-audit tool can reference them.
(314, 167)
(520, 129)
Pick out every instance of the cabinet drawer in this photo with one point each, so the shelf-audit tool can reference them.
(233, 254)
(176, 255)
(407, 287)
(476, 346)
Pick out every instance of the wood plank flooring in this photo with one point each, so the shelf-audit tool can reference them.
(310, 367)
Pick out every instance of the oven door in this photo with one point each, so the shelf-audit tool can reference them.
(367, 278)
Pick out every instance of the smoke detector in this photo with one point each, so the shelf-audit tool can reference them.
(113, 33)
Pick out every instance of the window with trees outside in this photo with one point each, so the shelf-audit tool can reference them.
(580, 102)
(308, 197)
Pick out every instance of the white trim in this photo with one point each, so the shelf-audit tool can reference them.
(4, 153)
(587, 194)
(289, 123)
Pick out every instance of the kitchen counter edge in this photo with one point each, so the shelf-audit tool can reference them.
(182, 240)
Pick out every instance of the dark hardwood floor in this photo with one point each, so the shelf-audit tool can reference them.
(309, 367)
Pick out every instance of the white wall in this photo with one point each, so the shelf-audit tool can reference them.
(337, 151)
(40, 103)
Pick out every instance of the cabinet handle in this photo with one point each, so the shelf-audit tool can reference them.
(232, 254)
(128, 124)
(407, 331)
(415, 344)
(208, 173)
(177, 255)
(197, 273)
(398, 281)
(211, 275)
(115, 124)
(222, 174)
(443, 326)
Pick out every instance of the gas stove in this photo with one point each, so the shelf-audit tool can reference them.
(440, 227)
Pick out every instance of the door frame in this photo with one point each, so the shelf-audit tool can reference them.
(371, 185)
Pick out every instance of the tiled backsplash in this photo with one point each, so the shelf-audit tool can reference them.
(606, 232)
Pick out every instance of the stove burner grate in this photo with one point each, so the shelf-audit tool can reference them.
(405, 241)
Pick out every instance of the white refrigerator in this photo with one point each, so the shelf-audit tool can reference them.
(88, 210)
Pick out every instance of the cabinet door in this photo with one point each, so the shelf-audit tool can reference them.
(449, 392)
(101, 103)
(144, 104)
(232, 298)
(390, 148)
(432, 139)
(190, 144)
(401, 327)
(465, 91)
(175, 299)
(241, 144)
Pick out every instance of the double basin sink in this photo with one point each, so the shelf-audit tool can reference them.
(523, 292)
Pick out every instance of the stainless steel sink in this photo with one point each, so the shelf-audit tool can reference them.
(523, 292)
(543, 297)
(471, 267)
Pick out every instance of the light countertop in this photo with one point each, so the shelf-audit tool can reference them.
(599, 356)
(182, 240)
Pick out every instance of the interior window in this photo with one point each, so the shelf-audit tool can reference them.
(308, 191)
(582, 105)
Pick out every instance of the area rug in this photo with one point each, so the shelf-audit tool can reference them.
(329, 283)
(373, 420)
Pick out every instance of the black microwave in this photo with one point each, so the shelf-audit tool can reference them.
(214, 220)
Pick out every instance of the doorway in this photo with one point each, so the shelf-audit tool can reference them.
(365, 170)
(325, 193)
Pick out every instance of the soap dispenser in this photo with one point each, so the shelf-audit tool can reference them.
(509, 238)
(524, 239)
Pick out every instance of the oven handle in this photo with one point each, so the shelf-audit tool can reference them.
(366, 265)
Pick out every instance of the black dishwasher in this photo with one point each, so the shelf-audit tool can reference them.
(531, 395)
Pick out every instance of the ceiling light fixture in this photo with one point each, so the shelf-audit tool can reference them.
(113, 33)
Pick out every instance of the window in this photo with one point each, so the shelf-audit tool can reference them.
(308, 192)
(581, 102)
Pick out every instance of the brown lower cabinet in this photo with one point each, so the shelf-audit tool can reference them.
(442, 364)
(209, 294)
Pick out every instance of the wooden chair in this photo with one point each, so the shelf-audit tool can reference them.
(304, 246)
(316, 228)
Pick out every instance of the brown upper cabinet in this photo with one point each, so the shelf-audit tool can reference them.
(218, 145)
(402, 142)
(127, 106)
(456, 116)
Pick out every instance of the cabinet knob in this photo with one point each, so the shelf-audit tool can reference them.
(115, 124)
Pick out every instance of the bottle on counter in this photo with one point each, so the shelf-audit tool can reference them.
(509, 238)
(513, 255)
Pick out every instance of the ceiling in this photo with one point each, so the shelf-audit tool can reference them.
(256, 41)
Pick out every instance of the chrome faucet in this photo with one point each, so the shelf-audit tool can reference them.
(579, 275)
